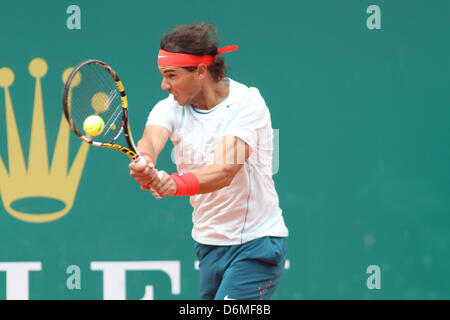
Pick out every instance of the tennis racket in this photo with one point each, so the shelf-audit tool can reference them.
(93, 90)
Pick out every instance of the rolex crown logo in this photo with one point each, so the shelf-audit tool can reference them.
(37, 178)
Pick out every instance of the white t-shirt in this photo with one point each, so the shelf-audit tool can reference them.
(248, 208)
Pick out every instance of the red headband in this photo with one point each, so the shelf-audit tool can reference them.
(167, 58)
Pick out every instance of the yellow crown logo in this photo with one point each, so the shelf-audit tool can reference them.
(38, 180)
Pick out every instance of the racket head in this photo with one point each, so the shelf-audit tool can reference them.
(93, 88)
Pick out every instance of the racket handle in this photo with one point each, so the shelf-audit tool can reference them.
(140, 160)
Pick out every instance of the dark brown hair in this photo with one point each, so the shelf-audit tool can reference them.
(199, 38)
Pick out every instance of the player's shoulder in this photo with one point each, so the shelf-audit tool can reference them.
(248, 97)
(243, 93)
(237, 88)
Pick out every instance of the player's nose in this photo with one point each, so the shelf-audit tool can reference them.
(165, 84)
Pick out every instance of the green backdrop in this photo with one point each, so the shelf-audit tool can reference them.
(363, 118)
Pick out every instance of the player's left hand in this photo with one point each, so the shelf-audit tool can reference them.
(165, 187)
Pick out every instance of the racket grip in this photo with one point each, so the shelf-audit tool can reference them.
(142, 154)
(140, 160)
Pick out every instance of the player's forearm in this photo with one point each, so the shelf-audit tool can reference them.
(153, 141)
(145, 146)
(214, 177)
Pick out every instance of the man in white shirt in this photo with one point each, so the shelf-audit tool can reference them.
(222, 136)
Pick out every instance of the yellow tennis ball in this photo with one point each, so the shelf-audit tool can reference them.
(93, 125)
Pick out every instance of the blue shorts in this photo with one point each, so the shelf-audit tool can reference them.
(250, 271)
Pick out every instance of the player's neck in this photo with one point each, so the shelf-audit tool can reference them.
(212, 94)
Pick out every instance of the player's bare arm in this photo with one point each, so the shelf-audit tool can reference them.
(229, 157)
(153, 141)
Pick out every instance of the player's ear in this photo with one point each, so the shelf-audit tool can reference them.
(201, 71)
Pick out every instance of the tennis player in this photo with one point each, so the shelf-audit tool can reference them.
(222, 136)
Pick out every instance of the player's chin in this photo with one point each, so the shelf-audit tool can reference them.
(181, 101)
(177, 99)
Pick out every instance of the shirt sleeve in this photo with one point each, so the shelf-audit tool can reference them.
(250, 115)
(162, 115)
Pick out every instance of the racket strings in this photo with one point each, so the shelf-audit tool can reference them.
(96, 93)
